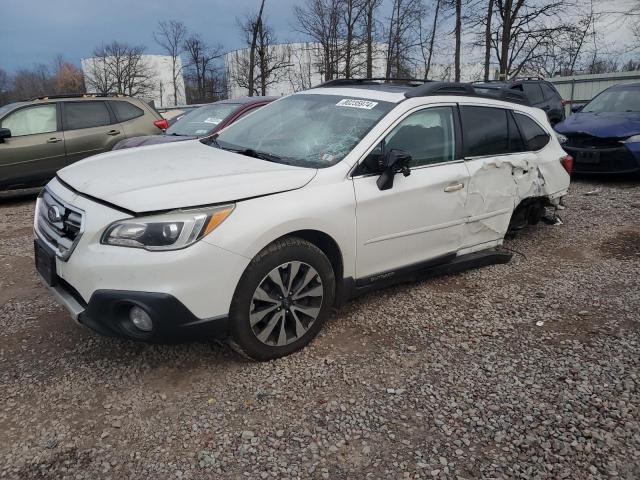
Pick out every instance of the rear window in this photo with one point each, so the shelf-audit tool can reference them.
(533, 92)
(485, 131)
(125, 111)
(203, 120)
(79, 115)
(533, 134)
(549, 91)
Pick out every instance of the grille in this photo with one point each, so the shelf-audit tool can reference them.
(589, 141)
(58, 224)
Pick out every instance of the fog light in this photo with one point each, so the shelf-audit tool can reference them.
(140, 319)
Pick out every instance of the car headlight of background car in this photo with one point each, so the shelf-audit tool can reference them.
(169, 231)
(632, 139)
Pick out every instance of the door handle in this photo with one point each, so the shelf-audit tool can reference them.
(54, 140)
(454, 188)
(113, 132)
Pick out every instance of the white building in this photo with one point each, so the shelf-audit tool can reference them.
(157, 70)
(304, 68)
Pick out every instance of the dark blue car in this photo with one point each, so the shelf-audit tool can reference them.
(604, 136)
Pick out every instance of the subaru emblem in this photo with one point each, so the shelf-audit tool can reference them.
(53, 214)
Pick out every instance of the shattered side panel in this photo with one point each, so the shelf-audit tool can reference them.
(496, 186)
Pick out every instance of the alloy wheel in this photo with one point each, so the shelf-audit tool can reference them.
(286, 303)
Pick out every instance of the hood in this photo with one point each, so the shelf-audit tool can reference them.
(150, 140)
(603, 125)
(179, 175)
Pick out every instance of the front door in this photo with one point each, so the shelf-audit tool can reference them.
(421, 217)
(89, 129)
(35, 150)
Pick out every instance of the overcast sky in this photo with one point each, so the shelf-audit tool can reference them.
(35, 31)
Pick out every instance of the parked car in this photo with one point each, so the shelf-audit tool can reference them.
(40, 136)
(604, 135)
(256, 233)
(173, 114)
(540, 93)
(201, 122)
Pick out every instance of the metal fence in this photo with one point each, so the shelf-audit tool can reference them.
(579, 89)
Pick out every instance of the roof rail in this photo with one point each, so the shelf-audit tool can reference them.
(339, 82)
(465, 89)
(440, 88)
(526, 78)
(75, 95)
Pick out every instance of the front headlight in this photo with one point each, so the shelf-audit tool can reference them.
(561, 138)
(168, 231)
(633, 139)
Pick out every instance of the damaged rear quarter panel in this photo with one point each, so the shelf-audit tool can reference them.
(498, 184)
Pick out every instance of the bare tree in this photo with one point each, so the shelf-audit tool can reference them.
(32, 83)
(118, 68)
(262, 64)
(524, 27)
(458, 34)
(5, 87)
(352, 12)
(487, 40)
(320, 20)
(67, 78)
(402, 36)
(255, 24)
(427, 44)
(200, 64)
(369, 24)
(170, 36)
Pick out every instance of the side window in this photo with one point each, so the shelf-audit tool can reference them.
(32, 120)
(124, 110)
(549, 91)
(533, 92)
(516, 144)
(79, 115)
(427, 135)
(485, 131)
(534, 136)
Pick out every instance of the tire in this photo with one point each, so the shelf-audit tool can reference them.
(267, 324)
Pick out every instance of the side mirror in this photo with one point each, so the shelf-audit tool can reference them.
(4, 133)
(393, 161)
(576, 108)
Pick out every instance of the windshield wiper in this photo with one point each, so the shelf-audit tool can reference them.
(250, 152)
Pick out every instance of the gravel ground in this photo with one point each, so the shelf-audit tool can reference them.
(527, 370)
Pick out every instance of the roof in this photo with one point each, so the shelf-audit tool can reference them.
(397, 90)
(248, 100)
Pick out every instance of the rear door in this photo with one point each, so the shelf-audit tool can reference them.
(133, 119)
(421, 217)
(36, 149)
(494, 155)
(90, 127)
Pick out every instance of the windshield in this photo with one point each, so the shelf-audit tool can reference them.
(306, 130)
(615, 100)
(202, 121)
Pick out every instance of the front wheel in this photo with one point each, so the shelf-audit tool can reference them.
(282, 300)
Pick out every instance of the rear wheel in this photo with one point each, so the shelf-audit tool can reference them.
(282, 299)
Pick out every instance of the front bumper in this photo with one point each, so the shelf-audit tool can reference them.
(618, 160)
(187, 292)
(107, 313)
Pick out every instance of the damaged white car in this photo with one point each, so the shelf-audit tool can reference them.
(254, 235)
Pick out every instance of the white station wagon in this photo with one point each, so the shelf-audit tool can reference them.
(254, 235)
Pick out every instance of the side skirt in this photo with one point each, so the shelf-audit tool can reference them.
(353, 288)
